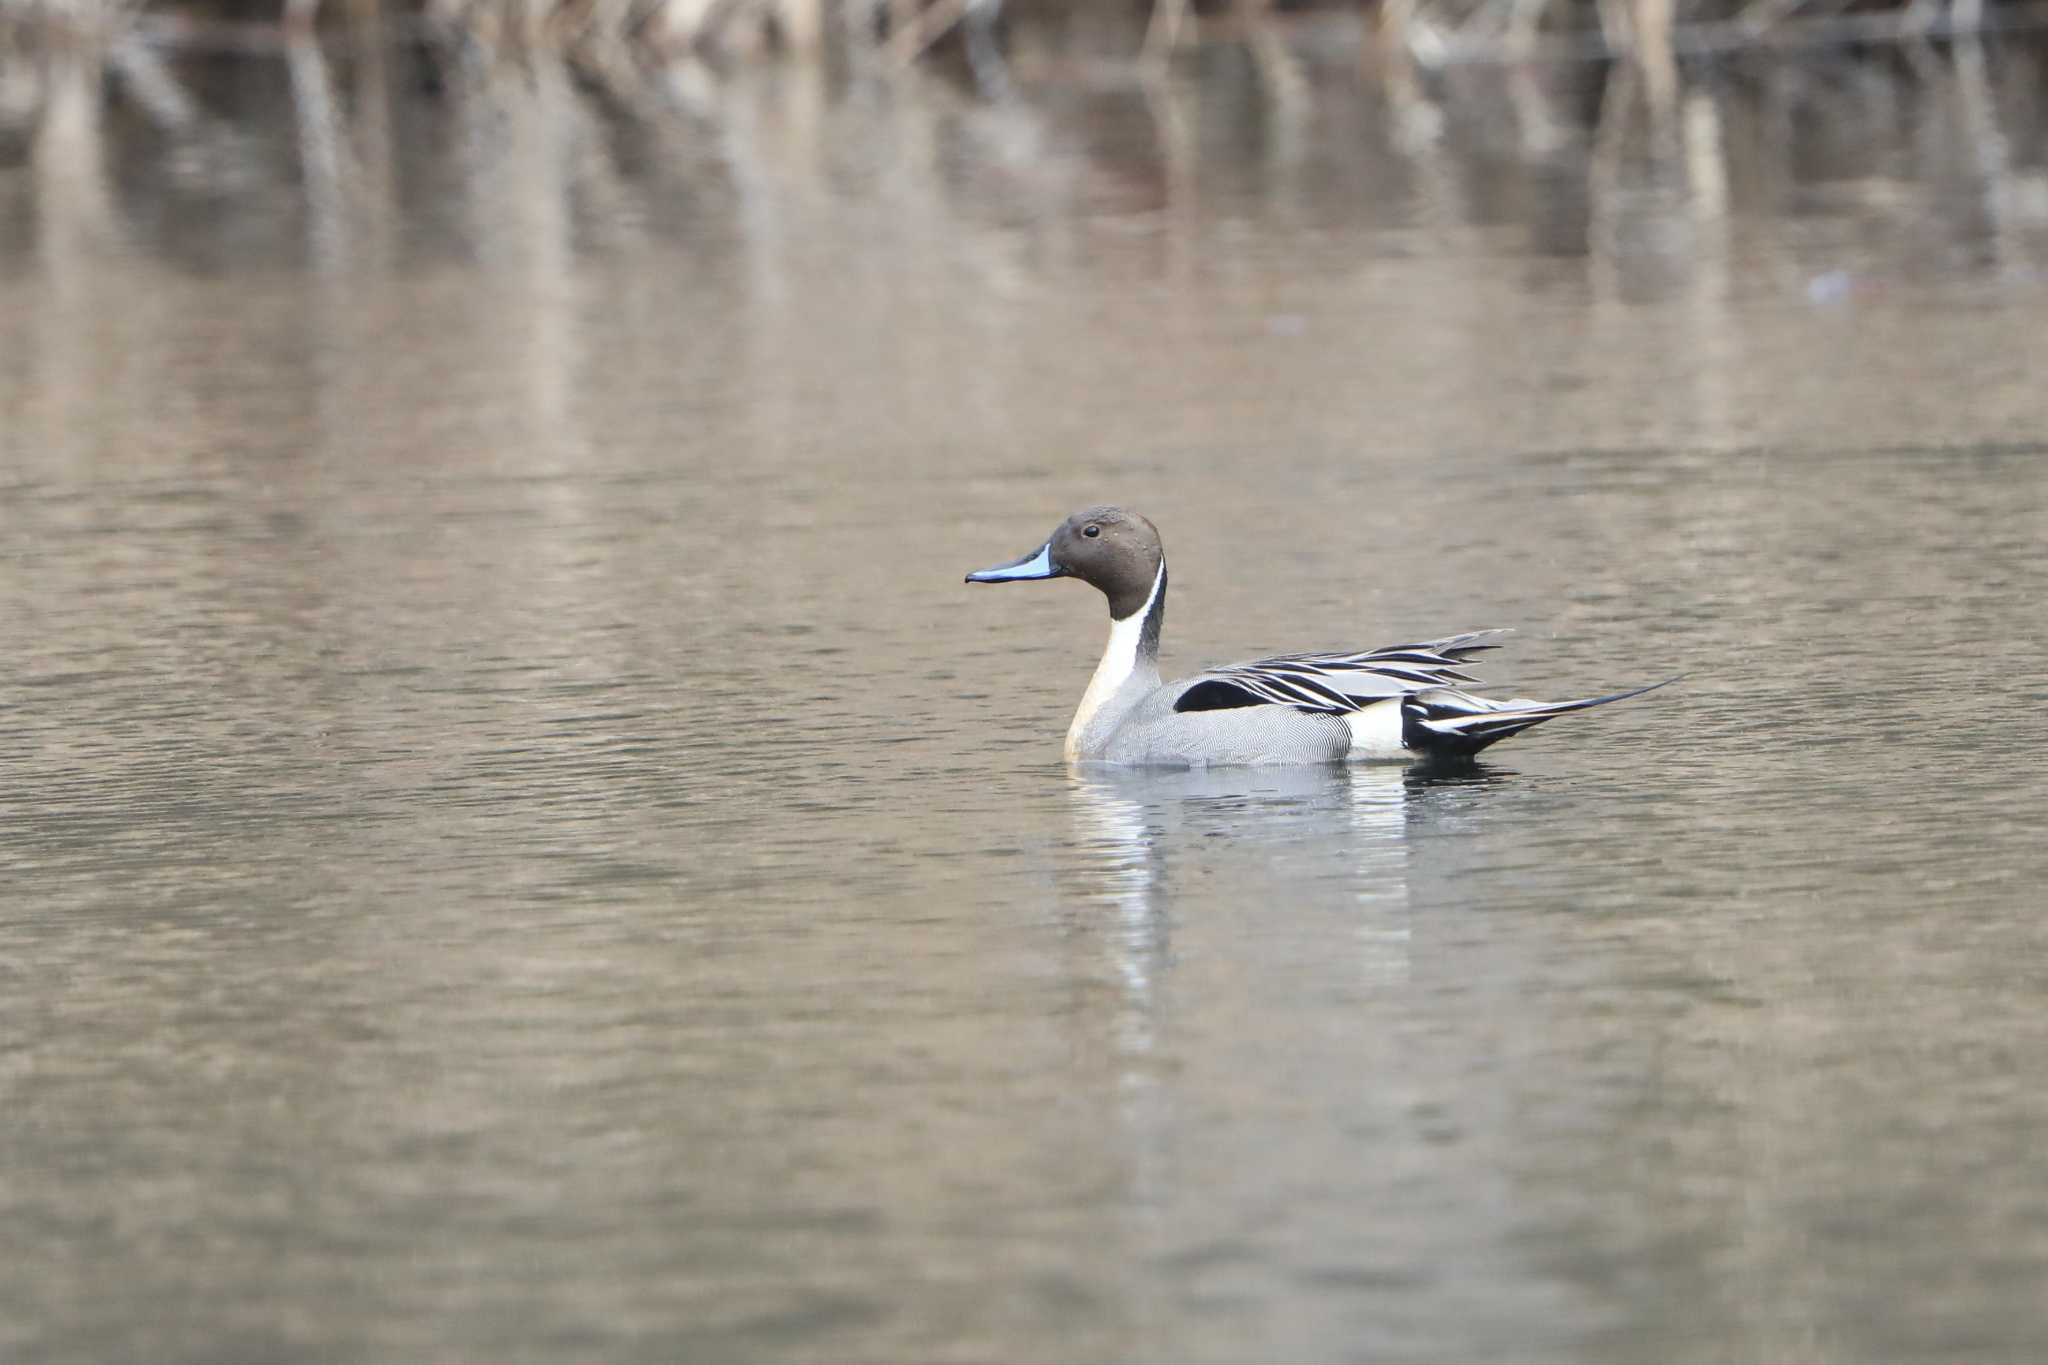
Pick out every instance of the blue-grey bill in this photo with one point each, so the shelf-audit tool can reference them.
(1037, 564)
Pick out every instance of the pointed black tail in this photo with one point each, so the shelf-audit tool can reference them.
(1440, 727)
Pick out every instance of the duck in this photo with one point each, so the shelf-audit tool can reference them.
(1396, 703)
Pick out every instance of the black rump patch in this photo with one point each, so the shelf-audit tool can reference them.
(1215, 694)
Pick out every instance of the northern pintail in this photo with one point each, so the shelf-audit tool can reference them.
(1397, 703)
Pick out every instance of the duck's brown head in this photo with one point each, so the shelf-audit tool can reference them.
(1116, 551)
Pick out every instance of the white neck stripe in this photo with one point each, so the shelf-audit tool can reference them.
(1119, 662)
(1150, 598)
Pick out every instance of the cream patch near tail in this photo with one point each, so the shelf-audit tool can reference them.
(1376, 733)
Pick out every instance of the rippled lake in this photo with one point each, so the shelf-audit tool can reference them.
(518, 846)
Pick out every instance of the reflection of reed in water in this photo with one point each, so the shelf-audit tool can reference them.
(455, 164)
(1648, 175)
(1650, 34)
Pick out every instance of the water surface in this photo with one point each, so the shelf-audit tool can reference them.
(518, 845)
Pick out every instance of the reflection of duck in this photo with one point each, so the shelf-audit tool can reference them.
(1398, 703)
(1213, 799)
(1197, 895)
(1285, 828)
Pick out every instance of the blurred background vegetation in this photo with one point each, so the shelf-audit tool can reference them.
(1427, 33)
(1818, 151)
(1545, 71)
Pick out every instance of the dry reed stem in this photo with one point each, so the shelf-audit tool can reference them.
(929, 25)
(1163, 29)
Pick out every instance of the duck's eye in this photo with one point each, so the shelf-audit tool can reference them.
(1091, 531)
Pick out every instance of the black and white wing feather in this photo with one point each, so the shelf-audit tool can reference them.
(1336, 683)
